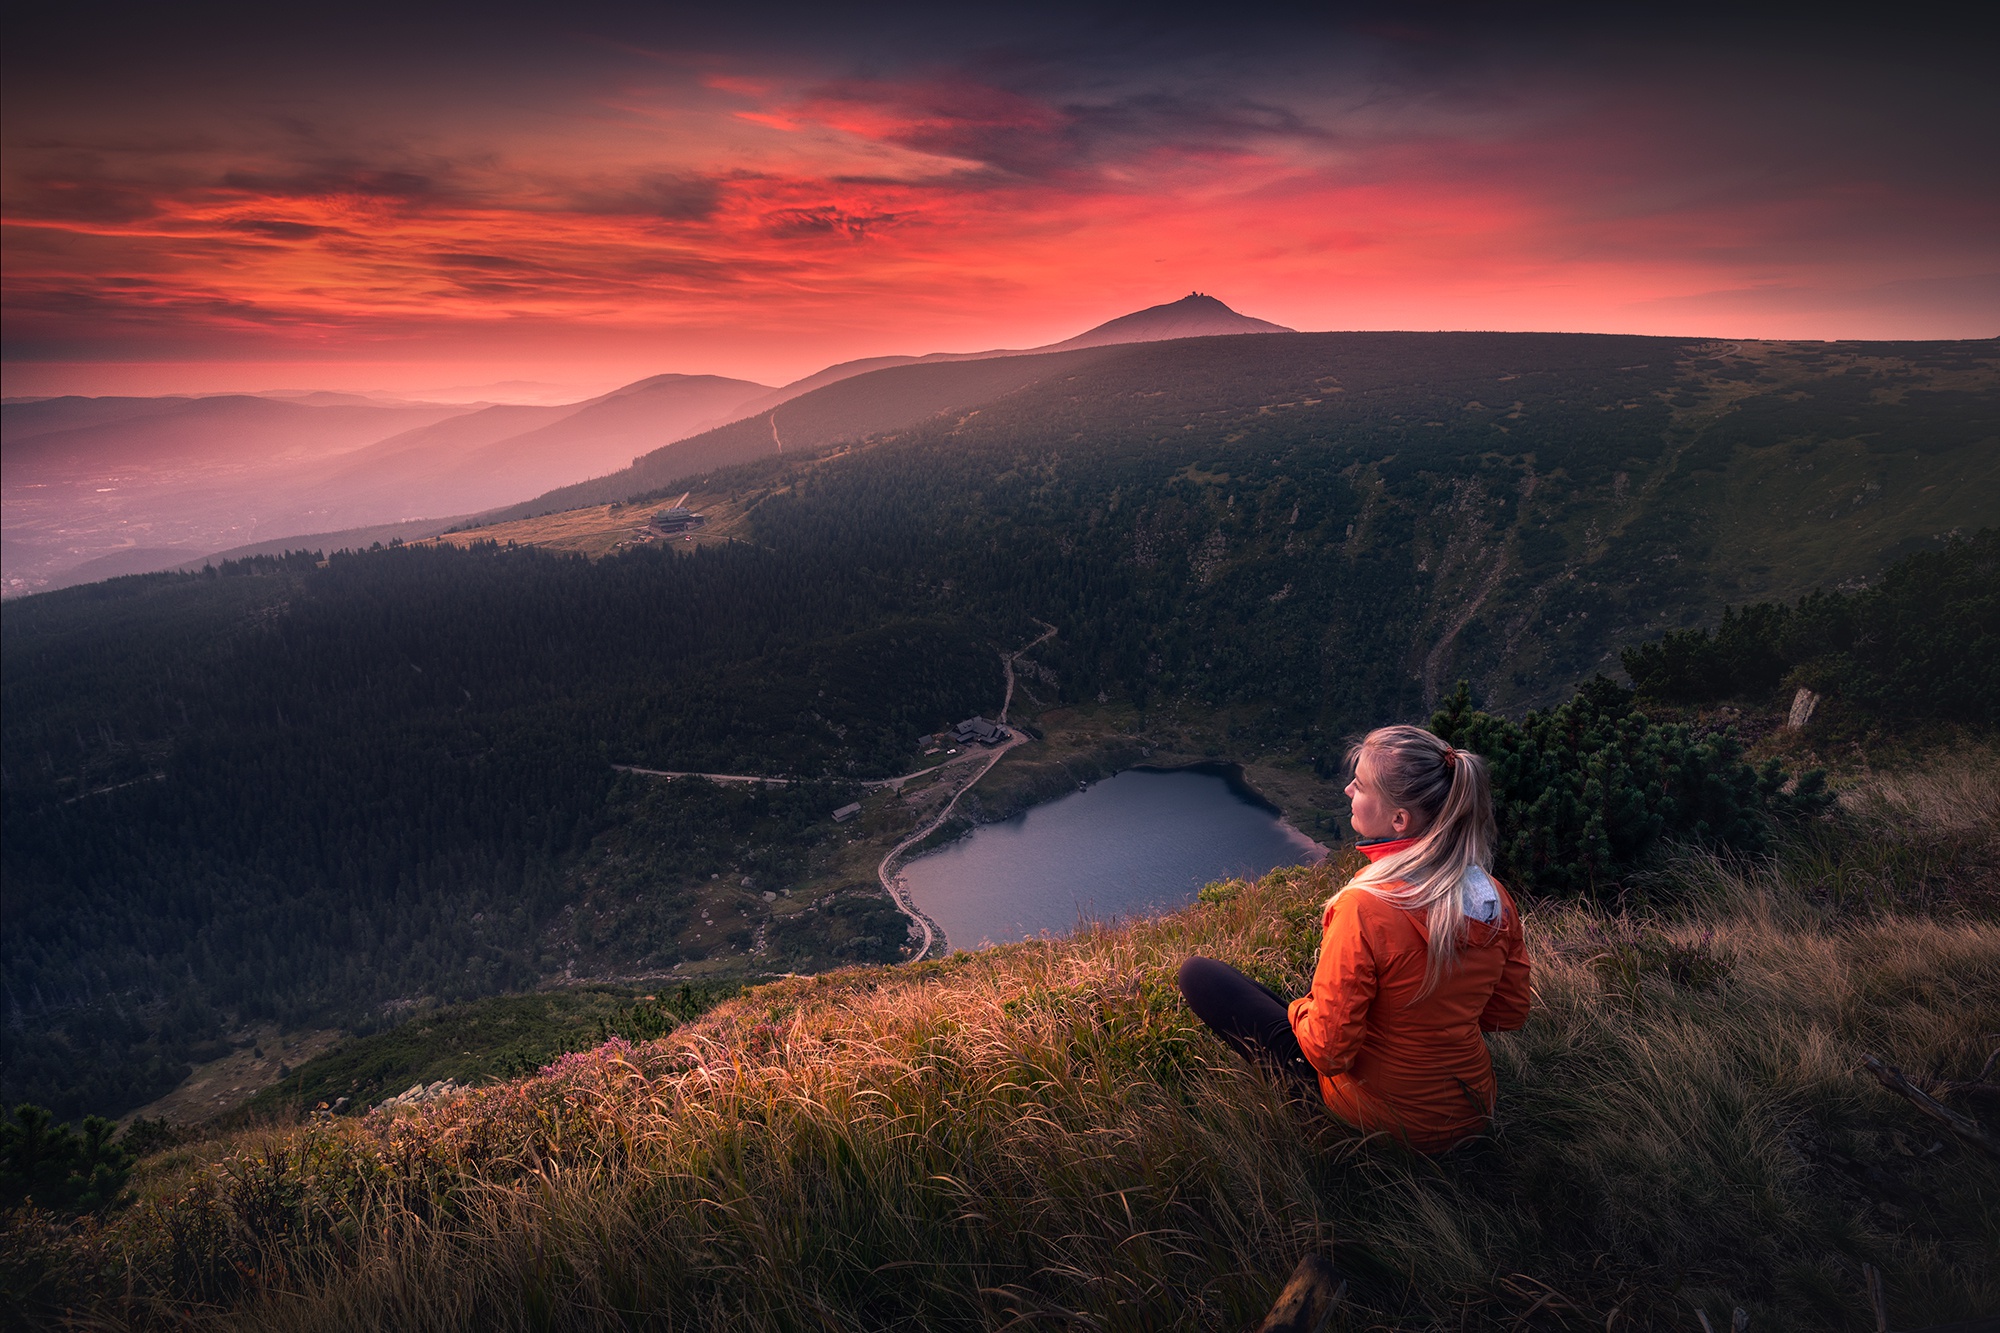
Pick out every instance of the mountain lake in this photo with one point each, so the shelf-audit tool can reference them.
(1137, 844)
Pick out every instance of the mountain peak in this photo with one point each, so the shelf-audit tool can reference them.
(1196, 315)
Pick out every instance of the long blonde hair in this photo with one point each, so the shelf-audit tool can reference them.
(1449, 789)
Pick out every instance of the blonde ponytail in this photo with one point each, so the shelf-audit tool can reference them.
(1450, 790)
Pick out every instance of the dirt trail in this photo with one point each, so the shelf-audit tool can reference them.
(894, 784)
(712, 777)
(971, 768)
(888, 872)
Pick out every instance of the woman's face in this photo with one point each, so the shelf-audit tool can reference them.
(1372, 815)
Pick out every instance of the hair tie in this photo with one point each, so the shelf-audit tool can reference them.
(1451, 757)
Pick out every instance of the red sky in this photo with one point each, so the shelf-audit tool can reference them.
(407, 203)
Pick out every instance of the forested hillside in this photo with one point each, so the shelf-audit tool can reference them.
(300, 790)
(319, 789)
(1339, 525)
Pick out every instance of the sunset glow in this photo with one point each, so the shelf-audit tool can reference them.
(583, 205)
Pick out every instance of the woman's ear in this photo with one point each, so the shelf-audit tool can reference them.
(1399, 824)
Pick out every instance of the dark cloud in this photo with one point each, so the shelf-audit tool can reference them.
(666, 197)
(43, 315)
(1026, 135)
(72, 199)
(828, 221)
(278, 229)
(335, 180)
(490, 263)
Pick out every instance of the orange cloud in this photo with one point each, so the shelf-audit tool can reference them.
(763, 215)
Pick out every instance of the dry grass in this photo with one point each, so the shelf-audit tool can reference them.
(599, 530)
(1954, 795)
(1039, 1134)
(1922, 838)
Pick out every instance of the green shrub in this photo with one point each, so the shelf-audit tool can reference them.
(1220, 891)
(1924, 643)
(1740, 657)
(56, 1167)
(654, 1017)
(1586, 792)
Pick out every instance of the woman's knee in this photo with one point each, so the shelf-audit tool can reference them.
(1197, 976)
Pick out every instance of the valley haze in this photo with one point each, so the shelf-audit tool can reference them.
(99, 487)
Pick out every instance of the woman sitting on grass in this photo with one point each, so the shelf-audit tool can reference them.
(1422, 952)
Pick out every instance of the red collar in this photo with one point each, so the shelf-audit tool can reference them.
(1375, 851)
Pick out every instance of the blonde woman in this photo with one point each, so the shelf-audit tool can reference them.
(1421, 953)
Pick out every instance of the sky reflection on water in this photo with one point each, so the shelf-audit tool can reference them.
(1136, 844)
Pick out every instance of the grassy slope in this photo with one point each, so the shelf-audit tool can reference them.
(466, 1043)
(1041, 1131)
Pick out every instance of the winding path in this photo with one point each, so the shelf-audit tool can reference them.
(976, 765)
(758, 780)
(750, 778)
(890, 874)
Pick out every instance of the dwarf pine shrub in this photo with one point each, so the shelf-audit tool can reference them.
(57, 1167)
(1923, 643)
(1587, 791)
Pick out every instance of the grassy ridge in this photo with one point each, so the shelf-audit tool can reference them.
(1042, 1131)
(477, 1042)
(500, 1037)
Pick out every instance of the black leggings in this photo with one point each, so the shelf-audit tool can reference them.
(1249, 1017)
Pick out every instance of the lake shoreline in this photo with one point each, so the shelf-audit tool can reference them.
(1230, 771)
(1032, 776)
(1140, 842)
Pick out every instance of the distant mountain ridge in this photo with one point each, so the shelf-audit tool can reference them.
(852, 408)
(1193, 316)
(495, 455)
(900, 392)
(250, 469)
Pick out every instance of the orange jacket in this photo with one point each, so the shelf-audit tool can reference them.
(1387, 1060)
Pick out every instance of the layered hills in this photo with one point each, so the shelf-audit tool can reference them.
(299, 790)
(495, 455)
(1193, 316)
(97, 487)
(855, 400)
(100, 487)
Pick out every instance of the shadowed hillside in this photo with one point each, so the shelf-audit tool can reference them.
(425, 737)
(1401, 510)
(1553, 493)
(1043, 1131)
(848, 409)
